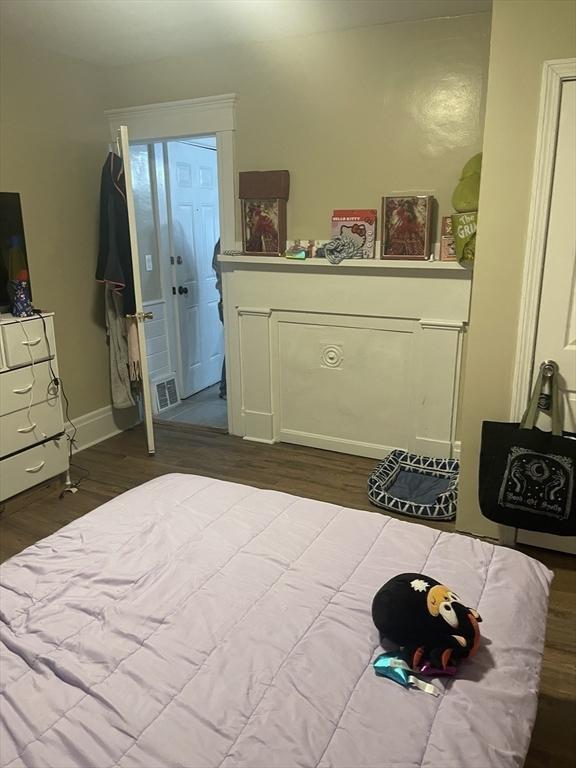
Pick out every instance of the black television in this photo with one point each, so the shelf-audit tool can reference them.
(13, 257)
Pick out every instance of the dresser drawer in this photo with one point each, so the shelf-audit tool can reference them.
(32, 466)
(26, 341)
(17, 432)
(18, 385)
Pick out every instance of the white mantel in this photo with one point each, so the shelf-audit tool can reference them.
(361, 357)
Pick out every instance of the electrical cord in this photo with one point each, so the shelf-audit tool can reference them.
(59, 384)
(31, 424)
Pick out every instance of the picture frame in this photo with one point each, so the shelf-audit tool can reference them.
(406, 223)
(263, 226)
(448, 248)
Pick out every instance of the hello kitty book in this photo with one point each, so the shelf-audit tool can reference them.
(359, 225)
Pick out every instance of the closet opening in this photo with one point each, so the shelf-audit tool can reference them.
(176, 198)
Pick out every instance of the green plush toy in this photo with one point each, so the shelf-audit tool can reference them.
(467, 192)
(465, 201)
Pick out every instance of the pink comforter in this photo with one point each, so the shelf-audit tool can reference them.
(192, 622)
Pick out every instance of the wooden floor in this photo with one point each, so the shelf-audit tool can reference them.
(122, 463)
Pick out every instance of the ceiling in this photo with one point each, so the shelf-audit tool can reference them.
(116, 32)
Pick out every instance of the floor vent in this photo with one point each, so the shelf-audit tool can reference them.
(166, 394)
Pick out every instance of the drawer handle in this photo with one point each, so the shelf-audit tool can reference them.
(27, 429)
(36, 469)
(23, 390)
(32, 342)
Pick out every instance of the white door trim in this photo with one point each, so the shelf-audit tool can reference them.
(213, 115)
(553, 75)
(124, 145)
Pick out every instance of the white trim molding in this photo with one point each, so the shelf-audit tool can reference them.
(176, 119)
(442, 325)
(338, 358)
(553, 75)
(213, 115)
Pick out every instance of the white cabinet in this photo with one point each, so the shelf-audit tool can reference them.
(33, 446)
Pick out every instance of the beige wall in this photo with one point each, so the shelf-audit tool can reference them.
(353, 115)
(52, 145)
(525, 33)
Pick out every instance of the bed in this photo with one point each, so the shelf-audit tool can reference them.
(194, 622)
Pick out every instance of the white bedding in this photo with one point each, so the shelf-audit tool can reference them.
(192, 622)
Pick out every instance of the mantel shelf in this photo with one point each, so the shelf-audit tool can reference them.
(348, 265)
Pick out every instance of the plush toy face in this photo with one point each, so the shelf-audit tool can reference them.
(426, 618)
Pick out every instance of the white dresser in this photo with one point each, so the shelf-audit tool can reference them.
(33, 446)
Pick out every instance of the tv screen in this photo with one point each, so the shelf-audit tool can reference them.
(13, 258)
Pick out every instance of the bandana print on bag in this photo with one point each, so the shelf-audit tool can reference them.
(538, 483)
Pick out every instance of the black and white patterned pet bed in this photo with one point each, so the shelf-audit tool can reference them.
(419, 486)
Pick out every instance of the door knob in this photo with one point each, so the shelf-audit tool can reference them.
(182, 289)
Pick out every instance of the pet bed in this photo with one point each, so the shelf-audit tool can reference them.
(193, 622)
(418, 486)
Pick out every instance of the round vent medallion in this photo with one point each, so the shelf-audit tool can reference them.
(332, 356)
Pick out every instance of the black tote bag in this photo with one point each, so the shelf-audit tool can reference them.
(527, 476)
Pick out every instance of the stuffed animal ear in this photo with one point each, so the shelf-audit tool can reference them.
(446, 657)
(475, 614)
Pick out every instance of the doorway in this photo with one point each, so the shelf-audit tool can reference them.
(176, 200)
(547, 329)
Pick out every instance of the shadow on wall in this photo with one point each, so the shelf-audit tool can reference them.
(98, 310)
(127, 418)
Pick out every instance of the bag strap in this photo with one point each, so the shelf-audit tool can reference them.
(548, 370)
(555, 412)
(531, 412)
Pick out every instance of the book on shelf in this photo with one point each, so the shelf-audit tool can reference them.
(358, 225)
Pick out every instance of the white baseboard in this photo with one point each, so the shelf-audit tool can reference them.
(99, 425)
(340, 445)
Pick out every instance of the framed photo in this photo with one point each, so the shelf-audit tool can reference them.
(447, 248)
(264, 226)
(406, 227)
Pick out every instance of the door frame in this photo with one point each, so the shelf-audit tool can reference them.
(207, 116)
(554, 74)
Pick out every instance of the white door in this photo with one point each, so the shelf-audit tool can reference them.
(556, 330)
(140, 315)
(193, 204)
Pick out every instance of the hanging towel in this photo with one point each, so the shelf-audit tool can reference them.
(114, 254)
(134, 367)
(119, 369)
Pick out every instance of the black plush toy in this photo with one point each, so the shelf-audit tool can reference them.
(426, 619)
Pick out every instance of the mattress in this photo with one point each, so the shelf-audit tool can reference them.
(193, 622)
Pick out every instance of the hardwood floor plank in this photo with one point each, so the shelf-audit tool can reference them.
(121, 463)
